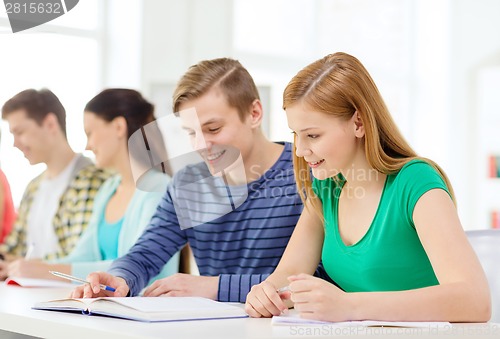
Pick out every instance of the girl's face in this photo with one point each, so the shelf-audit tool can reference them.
(327, 143)
(103, 138)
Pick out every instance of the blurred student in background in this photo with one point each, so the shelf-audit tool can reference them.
(121, 210)
(57, 204)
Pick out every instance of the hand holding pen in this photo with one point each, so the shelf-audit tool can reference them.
(70, 277)
(92, 286)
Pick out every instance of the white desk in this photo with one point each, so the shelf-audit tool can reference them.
(17, 316)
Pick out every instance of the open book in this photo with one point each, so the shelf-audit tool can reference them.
(293, 319)
(149, 309)
(30, 282)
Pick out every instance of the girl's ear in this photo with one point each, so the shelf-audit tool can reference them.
(359, 127)
(121, 126)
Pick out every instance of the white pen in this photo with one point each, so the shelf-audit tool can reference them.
(70, 277)
(284, 289)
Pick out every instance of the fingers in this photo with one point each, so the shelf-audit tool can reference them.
(149, 289)
(264, 300)
(177, 285)
(301, 276)
(156, 289)
(24, 269)
(285, 294)
(159, 292)
(313, 297)
(88, 291)
(251, 311)
(122, 289)
(301, 286)
(94, 287)
(3, 270)
(12, 269)
(165, 286)
(277, 306)
(184, 285)
(174, 294)
(78, 292)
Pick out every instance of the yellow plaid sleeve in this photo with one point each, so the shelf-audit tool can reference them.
(15, 242)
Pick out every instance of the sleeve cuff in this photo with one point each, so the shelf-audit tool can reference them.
(133, 290)
(235, 287)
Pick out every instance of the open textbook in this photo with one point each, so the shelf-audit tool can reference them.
(30, 282)
(149, 309)
(293, 319)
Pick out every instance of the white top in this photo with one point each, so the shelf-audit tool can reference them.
(41, 237)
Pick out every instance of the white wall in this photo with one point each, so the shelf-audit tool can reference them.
(424, 54)
(177, 34)
(475, 43)
(121, 43)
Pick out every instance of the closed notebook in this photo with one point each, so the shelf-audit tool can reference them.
(30, 282)
(147, 309)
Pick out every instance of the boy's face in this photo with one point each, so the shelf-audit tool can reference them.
(216, 130)
(29, 137)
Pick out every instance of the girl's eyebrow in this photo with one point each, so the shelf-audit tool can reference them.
(307, 129)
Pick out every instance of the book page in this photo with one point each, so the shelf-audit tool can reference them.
(148, 309)
(170, 304)
(164, 308)
(64, 305)
(293, 318)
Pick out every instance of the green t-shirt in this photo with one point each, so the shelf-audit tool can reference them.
(390, 256)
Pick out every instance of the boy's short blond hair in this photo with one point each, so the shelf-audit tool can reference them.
(224, 74)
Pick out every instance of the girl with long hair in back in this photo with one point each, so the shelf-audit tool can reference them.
(382, 219)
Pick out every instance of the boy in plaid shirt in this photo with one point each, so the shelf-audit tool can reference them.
(57, 204)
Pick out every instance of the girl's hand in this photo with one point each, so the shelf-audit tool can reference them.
(318, 299)
(264, 301)
(34, 268)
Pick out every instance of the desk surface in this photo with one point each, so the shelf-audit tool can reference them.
(17, 316)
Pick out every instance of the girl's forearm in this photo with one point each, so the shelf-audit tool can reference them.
(455, 302)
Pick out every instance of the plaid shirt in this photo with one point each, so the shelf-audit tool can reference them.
(73, 213)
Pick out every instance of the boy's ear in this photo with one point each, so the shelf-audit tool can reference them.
(359, 127)
(50, 121)
(256, 114)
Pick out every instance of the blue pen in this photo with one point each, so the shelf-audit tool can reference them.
(70, 277)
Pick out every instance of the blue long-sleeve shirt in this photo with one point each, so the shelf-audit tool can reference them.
(236, 234)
